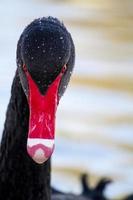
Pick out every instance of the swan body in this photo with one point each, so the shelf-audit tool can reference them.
(45, 60)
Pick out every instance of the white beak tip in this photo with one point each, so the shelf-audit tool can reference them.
(40, 150)
(39, 156)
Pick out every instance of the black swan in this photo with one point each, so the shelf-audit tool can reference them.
(45, 60)
(88, 192)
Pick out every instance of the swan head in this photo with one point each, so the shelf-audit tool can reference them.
(45, 60)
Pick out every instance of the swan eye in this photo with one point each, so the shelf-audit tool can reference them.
(24, 68)
(64, 69)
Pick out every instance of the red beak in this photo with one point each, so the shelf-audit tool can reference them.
(40, 143)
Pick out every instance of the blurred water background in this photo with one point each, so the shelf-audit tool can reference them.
(94, 132)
